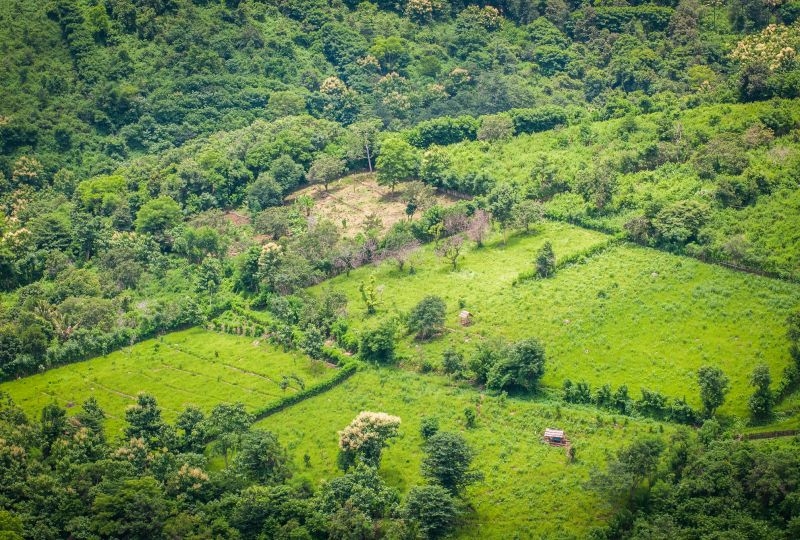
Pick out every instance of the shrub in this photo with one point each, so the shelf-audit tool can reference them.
(428, 427)
(520, 367)
(377, 345)
(452, 362)
(427, 317)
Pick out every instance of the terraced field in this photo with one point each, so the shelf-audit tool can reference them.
(193, 366)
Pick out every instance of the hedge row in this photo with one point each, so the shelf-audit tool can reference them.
(443, 131)
(538, 119)
(345, 372)
(578, 257)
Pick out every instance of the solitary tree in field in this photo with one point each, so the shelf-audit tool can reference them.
(427, 318)
(762, 399)
(397, 162)
(365, 438)
(448, 460)
(545, 261)
(479, 225)
(325, 169)
(713, 387)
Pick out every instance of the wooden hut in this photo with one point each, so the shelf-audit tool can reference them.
(465, 318)
(555, 437)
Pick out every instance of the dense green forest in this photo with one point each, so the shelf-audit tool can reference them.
(167, 164)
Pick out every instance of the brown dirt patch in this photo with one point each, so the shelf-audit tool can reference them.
(349, 201)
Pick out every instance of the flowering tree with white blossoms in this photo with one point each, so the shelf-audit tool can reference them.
(365, 437)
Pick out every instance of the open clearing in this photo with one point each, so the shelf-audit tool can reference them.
(629, 315)
(178, 369)
(352, 200)
(529, 489)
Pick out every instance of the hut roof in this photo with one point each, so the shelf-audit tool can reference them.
(553, 433)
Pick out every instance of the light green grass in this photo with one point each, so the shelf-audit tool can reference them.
(179, 369)
(629, 315)
(529, 489)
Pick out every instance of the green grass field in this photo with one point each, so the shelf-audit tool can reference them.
(629, 315)
(179, 369)
(529, 489)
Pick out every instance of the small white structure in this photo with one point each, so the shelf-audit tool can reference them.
(465, 318)
(555, 437)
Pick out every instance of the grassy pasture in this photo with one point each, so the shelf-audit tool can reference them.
(629, 315)
(529, 488)
(179, 369)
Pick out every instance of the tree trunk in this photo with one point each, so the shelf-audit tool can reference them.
(369, 158)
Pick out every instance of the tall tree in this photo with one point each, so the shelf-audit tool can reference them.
(761, 400)
(713, 387)
(502, 201)
(397, 162)
(448, 461)
(324, 169)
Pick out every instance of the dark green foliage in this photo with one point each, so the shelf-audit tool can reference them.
(262, 459)
(520, 367)
(452, 362)
(377, 345)
(145, 422)
(631, 466)
(470, 417)
(581, 393)
(443, 131)
(545, 261)
(426, 319)
(134, 508)
(428, 427)
(711, 487)
(533, 120)
(713, 386)
(762, 400)
(448, 461)
(362, 489)
(432, 508)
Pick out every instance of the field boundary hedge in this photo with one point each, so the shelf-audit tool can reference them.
(344, 373)
(579, 257)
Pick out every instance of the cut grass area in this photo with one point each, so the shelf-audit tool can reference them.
(189, 367)
(349, 202)
(530, 490)
(629, 315)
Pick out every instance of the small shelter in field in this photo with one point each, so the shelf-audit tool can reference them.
(465, 318)
(555, 437)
